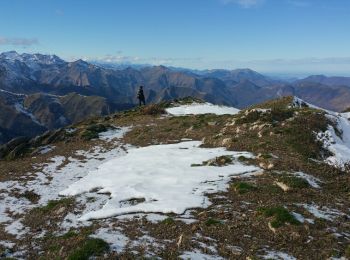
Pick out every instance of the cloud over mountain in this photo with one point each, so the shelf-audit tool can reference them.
(18, 41)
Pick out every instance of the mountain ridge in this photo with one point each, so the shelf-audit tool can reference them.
(29, 74)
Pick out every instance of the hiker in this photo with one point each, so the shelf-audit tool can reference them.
(141, 96)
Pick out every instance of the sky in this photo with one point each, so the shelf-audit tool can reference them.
(270, 36)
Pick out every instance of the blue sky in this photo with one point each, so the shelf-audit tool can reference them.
(273, 36)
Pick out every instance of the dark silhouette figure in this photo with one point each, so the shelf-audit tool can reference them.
(141, 96)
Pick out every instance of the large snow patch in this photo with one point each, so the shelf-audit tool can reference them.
(159, 178)
(198, 108)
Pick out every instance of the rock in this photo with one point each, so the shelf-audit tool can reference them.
(270, 166)
(212, 123)
(283, 186)
(188, 130)
(272, 228)
(266, 166)
(60, 211)
(226, 142)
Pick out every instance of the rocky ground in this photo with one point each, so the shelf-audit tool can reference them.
(295, 205)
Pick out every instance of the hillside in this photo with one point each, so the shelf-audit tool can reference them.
(31, 115)
(182, 179)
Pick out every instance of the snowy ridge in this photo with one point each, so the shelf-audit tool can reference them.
(337, 142)
(201, 108)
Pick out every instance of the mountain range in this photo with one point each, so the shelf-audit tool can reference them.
(42, 92)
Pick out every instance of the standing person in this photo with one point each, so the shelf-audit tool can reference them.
(141, 96)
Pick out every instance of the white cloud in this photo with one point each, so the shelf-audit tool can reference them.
(18, 41)
(326, 65)
(122, 59)
(245, 3)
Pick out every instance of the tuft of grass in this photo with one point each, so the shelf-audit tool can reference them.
(168, 221)
(69, 234)
(294, 182)
(243, 187)
(212, 222)
(37, 217)
(266, 156)
(92, 131)
(31, 196)
(91, 247)
(280, 214)
(52, 204)
(242, 158)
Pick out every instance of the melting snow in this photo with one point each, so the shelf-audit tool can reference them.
(278, 256)
(198, 255)
(322, 212)
(313, 181)
(339, 146)
(162, 176)
(115, 238)
(49, 180)
(205, 108)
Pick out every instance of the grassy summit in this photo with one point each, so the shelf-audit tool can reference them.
(275, 210)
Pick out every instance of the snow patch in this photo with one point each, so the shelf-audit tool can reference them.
(322, 212)
(159, 178)
(198, 108)
(278, 255)
(115, 238)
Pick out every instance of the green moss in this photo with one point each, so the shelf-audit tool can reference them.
(243, 187)
(280, 214)
(91, 247)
